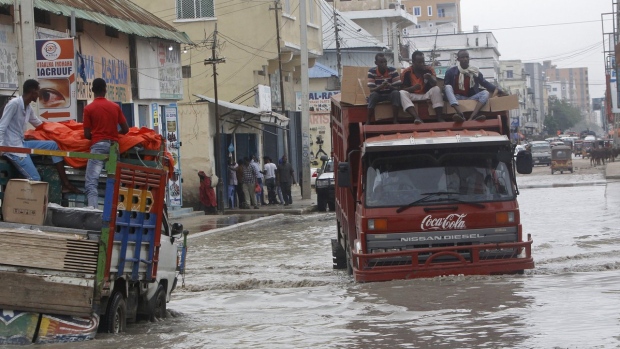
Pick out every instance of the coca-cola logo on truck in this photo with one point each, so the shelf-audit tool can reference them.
(452, 221)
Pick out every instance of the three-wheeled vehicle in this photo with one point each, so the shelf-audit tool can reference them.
(577, 148)
(561, 159)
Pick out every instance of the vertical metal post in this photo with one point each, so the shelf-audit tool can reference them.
(305, 105)
(280, 73)
(218, 134)
(338, 55)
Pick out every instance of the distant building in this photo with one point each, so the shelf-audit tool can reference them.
(433, 15)
(514, 79)
(577, 84)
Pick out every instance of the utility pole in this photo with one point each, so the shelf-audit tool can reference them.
(338, 56)
(214, 61)
(280, 74)
(305, 105)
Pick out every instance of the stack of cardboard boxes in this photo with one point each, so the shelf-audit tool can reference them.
(355, 90)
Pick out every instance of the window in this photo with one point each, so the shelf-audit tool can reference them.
(42, 17)
(429, 10)
(191, 9)
(509, 74)
(441, 12)
(417, 11)
(286, 7)
(111, 32)
(186, 71)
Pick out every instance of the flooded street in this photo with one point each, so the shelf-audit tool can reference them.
(271, 285)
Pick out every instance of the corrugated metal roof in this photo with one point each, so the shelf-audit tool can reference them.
(321, 71)
(122, 15)
(6, 2)
(269, 117)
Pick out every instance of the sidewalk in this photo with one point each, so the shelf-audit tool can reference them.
(197, 221)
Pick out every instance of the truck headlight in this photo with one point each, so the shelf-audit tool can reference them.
(322, 183)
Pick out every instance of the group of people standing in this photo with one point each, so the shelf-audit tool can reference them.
(246, 182)
(419, 83)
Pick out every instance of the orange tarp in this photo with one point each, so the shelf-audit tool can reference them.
(69, 135)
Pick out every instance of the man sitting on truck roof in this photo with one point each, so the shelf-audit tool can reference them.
(384, 83)
(420, 84)
(463, 82)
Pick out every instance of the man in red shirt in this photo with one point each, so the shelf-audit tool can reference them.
(101, 120)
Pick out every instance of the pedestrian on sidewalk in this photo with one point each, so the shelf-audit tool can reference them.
(239, 173)
(259, 196)
(270, 180)
(285, 178)
(249, 183)
(232, 182)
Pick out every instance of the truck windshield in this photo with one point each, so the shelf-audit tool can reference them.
(401, 180)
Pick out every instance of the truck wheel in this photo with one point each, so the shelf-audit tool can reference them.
(332, 206)
(321, 203)
(114, 320)
(339, 256)
(158, 304)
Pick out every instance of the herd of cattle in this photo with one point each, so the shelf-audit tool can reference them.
(599, 156)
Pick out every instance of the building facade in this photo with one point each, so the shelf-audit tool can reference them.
(241, 40)
(577, 84)
(434, 14)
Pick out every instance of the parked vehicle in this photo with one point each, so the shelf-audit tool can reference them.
(439, 198)
(91, 280)
(325, 185)
(313, 175)
(561, 159)
(541, 153)
(577, 148)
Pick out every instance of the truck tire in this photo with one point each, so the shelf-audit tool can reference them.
(321, 203)
(114, 320)
(332, 206)
(339, 255)
(158, 304)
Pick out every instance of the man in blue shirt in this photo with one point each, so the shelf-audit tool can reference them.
(384, 85)
(14, 118)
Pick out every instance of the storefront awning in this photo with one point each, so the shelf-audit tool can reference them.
(266, 117)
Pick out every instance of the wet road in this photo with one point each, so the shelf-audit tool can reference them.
(270, 285)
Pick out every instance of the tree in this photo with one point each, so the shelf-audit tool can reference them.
(562, 115)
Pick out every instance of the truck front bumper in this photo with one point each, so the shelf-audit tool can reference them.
(481, 259)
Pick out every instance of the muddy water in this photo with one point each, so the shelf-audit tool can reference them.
(272, 286)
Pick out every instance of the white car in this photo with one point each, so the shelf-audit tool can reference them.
(518, 148)
(313, 176)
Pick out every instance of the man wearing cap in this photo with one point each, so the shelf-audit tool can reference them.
(101, 120)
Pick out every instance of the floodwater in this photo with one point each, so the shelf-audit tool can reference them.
(271, 285)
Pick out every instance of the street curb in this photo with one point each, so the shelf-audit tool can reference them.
(231, 227)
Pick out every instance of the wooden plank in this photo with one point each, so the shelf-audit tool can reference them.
(45, 294)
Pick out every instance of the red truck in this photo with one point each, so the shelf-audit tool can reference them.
(439, 198)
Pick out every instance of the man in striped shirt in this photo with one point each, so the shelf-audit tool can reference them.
(384, 84)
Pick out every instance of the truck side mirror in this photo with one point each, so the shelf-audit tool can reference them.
(344, 175)
(177, 229)
(524, 162)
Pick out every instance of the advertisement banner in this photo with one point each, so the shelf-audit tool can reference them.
(8, 58)
(172, 146)
(320, 133)
(55, 62)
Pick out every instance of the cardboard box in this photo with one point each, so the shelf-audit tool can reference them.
(25, 201)
(384, 111)
(504, 103)
(466, 106)
(354, 88)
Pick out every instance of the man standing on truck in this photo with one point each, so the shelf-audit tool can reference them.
(101, 120)
(383, 83)
(14, 117)
(420, 84)
(463, 82)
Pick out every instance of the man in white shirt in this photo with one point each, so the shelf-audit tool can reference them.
(270, 180)
(259, 179)
(14, 117)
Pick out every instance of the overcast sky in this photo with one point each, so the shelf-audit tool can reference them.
(571, 45)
